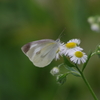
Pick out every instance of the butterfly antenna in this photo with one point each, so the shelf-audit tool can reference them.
(61, 34)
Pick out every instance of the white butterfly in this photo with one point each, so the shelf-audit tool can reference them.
(41, 52)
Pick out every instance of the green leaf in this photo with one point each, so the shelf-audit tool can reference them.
(73, 71)
(84, 66)
(66, 61)
(76, 73)
(61, 79)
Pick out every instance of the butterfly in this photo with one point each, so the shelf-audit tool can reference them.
(41, 52)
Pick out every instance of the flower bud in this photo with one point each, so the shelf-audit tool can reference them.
(91, 20)
(54, 71)
(98, 47)
(95, 27)
(61, 79)
(98, 50)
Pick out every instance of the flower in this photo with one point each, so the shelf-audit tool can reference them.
(59, 51)
(57, 54)
(91, 20)
(78, 57)
(71, 45)
(95, 27)
(94, 22)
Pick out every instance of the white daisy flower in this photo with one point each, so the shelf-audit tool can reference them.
(78, 57)
(60, 51)
(57, 55)
(70, 46)
(77, 41)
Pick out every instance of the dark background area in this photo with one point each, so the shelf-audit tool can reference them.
(23, 21)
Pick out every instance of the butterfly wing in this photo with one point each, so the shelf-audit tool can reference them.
(41, 52)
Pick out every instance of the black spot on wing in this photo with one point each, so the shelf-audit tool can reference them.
(26, 47)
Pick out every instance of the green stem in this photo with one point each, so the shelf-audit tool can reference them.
(88, 85)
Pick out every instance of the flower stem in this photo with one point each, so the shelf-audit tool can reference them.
(88, 85)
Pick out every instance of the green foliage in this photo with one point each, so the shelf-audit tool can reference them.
(70, 67)
(22, 21)
(67, 62)
(98, 51)
(61, 79)
(73, 71)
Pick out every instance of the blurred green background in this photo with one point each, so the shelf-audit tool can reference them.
(23, 21)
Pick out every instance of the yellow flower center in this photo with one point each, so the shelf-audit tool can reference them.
(70, 45)
(78, 54)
